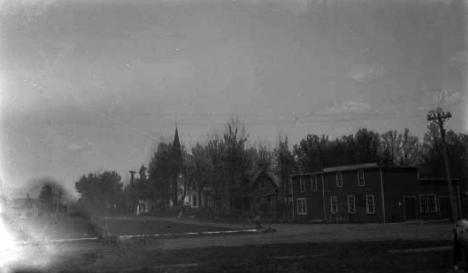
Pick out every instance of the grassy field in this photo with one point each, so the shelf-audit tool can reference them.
(129, 227)
(67, 227)
(293, 248)
(311, 257)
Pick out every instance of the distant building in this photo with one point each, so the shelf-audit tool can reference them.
(24, 207)
(370, 193)
(258, 193)
(199, 198)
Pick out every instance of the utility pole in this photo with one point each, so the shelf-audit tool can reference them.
(132, 174)
(439, 117)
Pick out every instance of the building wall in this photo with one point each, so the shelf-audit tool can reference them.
(396, 191)
(314, 199)
(397, 184)
(439, 192)
(351, 188)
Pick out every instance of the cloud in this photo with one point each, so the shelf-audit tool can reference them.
(459, 60)
(74, 147)
(348, 107)
(29, 8)
(366, 73)
(445, 95)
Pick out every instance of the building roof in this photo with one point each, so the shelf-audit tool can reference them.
(352, 168)
(255, 174)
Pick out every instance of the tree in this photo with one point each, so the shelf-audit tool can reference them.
(409, 149)
(235, 137)
(46, 198)
(367, 146)
(390, 147)
(308, 154)
(201, 168)
(160, 173)
(100, 192)
(284, 165)
(215, 149)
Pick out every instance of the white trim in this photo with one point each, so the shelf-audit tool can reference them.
(382, 192)
(313, 184)
(301, 208)
(421, 203)
(367, 204)
(331, 204)
(302, 186)
(292, 197)
(363, 178)
(323, 199)
(354, 204)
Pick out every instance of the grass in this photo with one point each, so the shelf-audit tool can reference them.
(336, 257)
(75, 227)
(129, 227)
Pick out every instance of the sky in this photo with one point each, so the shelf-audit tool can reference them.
(89, 86)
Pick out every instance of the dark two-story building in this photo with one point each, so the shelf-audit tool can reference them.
(370, 193)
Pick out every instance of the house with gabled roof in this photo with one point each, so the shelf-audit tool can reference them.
(257, 192)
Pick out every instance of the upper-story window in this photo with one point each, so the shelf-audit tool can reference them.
(360, 178)
(262, 184)
(313, 183)
(302, 185)
(339, 179)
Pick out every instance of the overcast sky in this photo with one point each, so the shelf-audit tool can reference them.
(92, 85)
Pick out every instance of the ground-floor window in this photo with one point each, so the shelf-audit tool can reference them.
(370, 204)
(301, 206)
(333, 204)
(351, 204)
(428, 203)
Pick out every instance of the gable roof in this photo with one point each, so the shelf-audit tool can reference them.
(353, 168)
(350, 167)
(254, 175)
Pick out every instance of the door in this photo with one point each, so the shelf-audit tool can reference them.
(444, 207)
(410, 207)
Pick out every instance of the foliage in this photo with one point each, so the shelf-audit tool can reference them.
(160, 173)
(99, 192)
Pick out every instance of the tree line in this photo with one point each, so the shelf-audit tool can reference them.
(220, 163)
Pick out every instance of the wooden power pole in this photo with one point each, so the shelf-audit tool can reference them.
(439, 117)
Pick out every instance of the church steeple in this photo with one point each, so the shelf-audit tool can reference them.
(176, 146)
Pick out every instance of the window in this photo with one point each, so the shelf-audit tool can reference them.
(351, 204)
(360, 178)
(301, 206)
(313, 183)
(339, 180)
(333, 204)
(262, 184)
(428, 203)
(302, 186)
(258, 200)
(370, 204)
